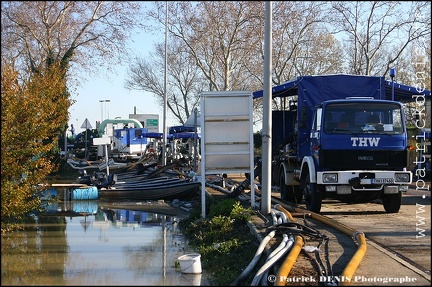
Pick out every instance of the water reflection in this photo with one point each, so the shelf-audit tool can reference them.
(95, 245)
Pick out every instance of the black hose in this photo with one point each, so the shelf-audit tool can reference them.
(295, 229)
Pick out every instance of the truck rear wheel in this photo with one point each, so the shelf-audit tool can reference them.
(311, 195)
(392, 202)
(291, 193)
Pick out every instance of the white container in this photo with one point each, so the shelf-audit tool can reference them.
(190, 263)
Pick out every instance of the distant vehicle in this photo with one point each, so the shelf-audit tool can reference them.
(133, 143)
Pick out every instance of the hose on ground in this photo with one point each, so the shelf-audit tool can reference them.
(272, 260)
(254, 261)
(274, 217)
(289, 261)
(279, 248)
(274, 252)
(295, 228)
(359, 238)
(281, 216)
(277, 218)
(315, 234)
(286, 212)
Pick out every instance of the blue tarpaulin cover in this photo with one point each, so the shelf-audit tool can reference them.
(341, 86)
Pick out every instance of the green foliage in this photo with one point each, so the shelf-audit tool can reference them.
(33, 113)
(223, 239)
(222, 207)
(231, 208)
(257, 140)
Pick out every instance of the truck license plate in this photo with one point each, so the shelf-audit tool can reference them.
(383, 180)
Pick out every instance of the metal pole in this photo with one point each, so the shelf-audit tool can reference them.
(102, 110)
(85, 143)
(164, 160)
(164, 253)
(106, 158)
(65, 144)
(267, 115)
(106, 107)
(392, 75)
(195, 140)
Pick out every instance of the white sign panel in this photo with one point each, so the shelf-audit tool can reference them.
(226, 135)
(101, 141)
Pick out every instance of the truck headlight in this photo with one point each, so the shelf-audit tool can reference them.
(402, 177)
(330, 178)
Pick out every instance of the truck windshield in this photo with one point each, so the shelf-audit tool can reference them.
(363, 117)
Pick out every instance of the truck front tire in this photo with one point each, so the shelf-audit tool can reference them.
(312, 197)
(392, 202)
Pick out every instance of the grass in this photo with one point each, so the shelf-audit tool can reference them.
(223, 239)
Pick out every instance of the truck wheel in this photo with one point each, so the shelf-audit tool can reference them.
(392, 202)
(291, 193)
(311, 195)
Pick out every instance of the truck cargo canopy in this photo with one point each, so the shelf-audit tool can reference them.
(325, 87)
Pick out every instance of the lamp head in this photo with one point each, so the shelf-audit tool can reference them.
(392, 73)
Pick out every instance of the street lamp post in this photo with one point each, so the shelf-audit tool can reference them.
(104, 103)
(392, 75)
(106, 108)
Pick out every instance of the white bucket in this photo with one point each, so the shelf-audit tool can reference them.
(190, 263)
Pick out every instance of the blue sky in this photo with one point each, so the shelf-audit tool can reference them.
(122, 101)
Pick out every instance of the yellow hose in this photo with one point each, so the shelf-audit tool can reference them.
(352, 265)
(293, 254)
(289, 261)
(286, 212)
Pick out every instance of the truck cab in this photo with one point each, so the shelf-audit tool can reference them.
(358, 150)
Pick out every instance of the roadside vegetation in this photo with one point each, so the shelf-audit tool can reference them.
(33, 114)
(222, 238)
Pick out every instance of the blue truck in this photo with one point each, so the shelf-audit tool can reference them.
(342, 137)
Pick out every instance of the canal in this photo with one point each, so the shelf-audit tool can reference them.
(93, 244)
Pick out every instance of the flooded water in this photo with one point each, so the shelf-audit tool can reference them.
(102, 247)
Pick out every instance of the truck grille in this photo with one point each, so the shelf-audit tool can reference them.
(351, 159)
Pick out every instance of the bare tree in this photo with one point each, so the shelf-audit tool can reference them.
(85, 34)
(208, 50)
(70, 36)
(300, 45)
(378, 32)
(183, 77)
(414, 67)
(224, 40)
(218, 38)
